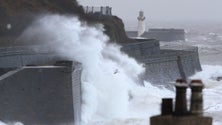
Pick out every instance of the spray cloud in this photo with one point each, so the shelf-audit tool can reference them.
(108, 74)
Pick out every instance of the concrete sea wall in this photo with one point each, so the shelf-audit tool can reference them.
(41, 95)
(164, 65)
(166, 68)
(21, 55)
(37, 88)
(141, 49)
(166, 34)
(161, 34)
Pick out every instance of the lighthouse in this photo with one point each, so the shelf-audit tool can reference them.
(141, 24)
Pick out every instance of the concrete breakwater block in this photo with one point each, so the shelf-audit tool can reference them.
(41, 95)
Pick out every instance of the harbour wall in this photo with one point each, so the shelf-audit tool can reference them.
(42, 95)
(166, 34)
(13, 57)
(166, 65)
(141, 49)
(37, 89)
(161, 34)
(162, 65)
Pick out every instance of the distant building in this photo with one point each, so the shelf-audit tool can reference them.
(98, 10)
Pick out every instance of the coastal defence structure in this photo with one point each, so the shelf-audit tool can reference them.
(181, 116)
(39, 87)
(163, 65)
(161, 34)
(166, 34)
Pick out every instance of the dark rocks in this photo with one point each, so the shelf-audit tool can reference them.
(18, 15)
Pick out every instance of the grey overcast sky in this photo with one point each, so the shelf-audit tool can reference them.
(164, 10)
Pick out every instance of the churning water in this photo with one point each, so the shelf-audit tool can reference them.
(210, 53)
(111, 92)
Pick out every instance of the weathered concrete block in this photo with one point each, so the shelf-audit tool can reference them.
(141, 49)
(164, 65)
(41, 95)
(161, 34)
(186, 120)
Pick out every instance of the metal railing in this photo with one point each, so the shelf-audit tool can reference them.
(100, 10)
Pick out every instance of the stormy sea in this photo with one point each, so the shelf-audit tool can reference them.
(110, 88)
(208, 39)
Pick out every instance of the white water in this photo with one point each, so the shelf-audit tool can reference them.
(210, 53)
(110, 77)
(212, 91)
(111, 92)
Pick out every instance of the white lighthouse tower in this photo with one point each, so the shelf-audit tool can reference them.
(141, 24)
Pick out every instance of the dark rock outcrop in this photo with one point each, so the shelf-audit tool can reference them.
(114, 27)
(18, 15)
